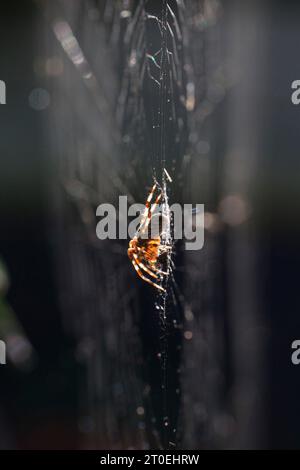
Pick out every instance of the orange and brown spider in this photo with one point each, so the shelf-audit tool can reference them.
(143, 252)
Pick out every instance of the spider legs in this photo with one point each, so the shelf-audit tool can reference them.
(149, 210)
(146, 221)
(147, 205)
(139, 272)
(144, 267)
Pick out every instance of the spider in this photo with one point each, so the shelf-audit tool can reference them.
(144, 252)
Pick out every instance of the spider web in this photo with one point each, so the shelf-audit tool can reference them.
(160, 74)
(125, 127)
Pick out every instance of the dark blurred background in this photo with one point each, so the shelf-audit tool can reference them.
(80, 372)
(38, 401)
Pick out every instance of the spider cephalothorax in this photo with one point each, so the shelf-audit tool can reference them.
(145, 250)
